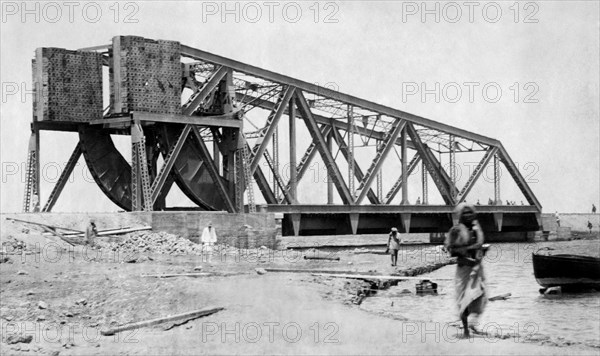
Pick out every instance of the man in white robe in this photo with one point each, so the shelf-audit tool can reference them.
(208, 239)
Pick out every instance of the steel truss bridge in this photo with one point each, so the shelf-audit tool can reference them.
(217, 154)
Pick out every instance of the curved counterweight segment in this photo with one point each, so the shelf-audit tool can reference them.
(110, 170)
(189, 170)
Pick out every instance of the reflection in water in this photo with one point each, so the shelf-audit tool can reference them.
(508, 269)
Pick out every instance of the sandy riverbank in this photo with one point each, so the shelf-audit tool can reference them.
(83, 291)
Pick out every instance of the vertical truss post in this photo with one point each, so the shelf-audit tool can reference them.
(452, 167)
(275, 161)
(293, 172)
(404, 168)
(351, 150)
(332, 168)
(497, 198)
(387, 144)
(424, 180)
(329, 177)
(140, 181)
(380, 184)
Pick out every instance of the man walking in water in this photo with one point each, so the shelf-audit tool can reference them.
(208, 239)
(466, 242)
(393, 245)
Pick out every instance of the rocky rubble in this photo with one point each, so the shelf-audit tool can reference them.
(151, 243)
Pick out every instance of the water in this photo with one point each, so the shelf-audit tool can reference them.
(571, 317)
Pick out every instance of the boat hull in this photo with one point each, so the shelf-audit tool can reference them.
(570, 271)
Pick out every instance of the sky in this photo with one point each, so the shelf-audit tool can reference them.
(525, 73)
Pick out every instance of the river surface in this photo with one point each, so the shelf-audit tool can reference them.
(569, 318)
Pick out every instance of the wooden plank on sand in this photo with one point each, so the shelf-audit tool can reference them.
(188, 315)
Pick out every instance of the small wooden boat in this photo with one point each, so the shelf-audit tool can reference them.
(566, 270)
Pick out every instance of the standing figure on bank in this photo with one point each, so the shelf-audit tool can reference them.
(590, 226)
(393, 245)
(557, 217)
(465, 241)
(593, 209)
(90, 233)
(208, 239)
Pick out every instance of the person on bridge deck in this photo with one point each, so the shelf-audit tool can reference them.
(208, 239)
(393, 245)
(465, 241)
(91, 232)
(593, 209)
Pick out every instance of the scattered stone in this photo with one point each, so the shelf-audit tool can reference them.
(5, 259)
(81, 301)
(41, 318)
(17, 339)
(198, 268)
(261, 271)
(22, 273)
(42, 305)
(350, 263)
(55, 353)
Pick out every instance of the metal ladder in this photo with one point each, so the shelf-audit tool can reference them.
(248, 179)
(29, 180)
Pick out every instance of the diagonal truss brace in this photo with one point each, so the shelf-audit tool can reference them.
(271, 125)
(212, 170)
(210, 85)
(170, 159)
(382, 152)
(277, 177)
(261, 180)
(440, 178)
(308, 156)
(64, 177)
(396, 187)
(358, 173)
(332, 168)
(518, 178)
(490, 152)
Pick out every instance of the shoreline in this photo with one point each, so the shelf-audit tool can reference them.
(85, 293)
